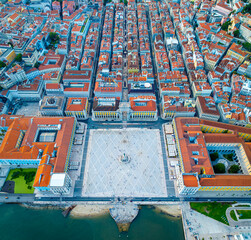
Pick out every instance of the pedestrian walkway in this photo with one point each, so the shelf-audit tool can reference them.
(240, 222)
(197, 224)
(79, 183)
(169, 184)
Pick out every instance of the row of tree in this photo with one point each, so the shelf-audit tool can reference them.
(220, 168)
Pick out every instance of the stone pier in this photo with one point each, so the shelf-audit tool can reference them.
(124, 213)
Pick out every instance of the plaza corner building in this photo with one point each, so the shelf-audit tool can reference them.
(197, 140)
(42, 141)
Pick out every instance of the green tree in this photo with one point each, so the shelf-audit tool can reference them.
(247, 9)
(234, 169)
(225, 25)
(214, 156)
(229, 156)
(2, 64)
(54, 37)
(19, 57)
(247, 45)
(29, 177)
(236, 33)
(219, 168)
(36, 65)
(10, 44)
(16, 175)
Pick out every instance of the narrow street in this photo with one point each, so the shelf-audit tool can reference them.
(125, 61)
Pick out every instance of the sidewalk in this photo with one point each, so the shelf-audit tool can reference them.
(240, 222)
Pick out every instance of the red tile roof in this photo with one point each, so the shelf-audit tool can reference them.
(72, 106)
(188, 128)
(190, 181)
(143, 103)
(17, 124)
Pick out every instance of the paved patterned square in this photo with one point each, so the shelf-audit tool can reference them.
(124, 163)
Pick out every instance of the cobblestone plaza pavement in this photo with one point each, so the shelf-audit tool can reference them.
(142, 175)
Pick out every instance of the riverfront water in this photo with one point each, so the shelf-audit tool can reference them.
(19, 223)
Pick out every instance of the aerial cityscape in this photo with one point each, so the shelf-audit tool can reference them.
(137, 111)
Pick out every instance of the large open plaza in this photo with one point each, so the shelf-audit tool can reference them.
(124, 163)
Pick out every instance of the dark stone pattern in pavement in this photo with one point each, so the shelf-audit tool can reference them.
(8, 187)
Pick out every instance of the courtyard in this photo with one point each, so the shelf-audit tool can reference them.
(227, 159)
(124, 163)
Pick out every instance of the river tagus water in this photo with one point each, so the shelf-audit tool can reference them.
(20, 223)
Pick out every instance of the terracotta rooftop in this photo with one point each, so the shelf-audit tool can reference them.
(30, 125)
(76, 104)
(190, 181)
(143, 103)
(195, 155)
(208, 105)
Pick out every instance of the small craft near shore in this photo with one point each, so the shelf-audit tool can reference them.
(68, 210)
